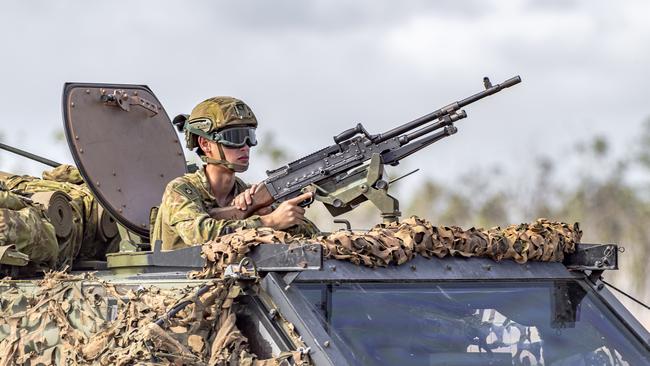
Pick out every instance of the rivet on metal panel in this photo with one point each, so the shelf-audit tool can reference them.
(124, 205)
(175, 141)
(180, 153)
(98, 184)
(119, 189)
(448, 267)
(135, 93)
(120, 210)
(143, 225)
(333, 268)
(72, 104)
(326, 344)
(102, 91)
(114, 174)
(81, 151)
(162, 176)
(287, 287)
(413, 267)
(487, 267)
(87, 91)
(76, 137)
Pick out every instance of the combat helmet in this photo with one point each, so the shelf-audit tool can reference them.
(225, 120)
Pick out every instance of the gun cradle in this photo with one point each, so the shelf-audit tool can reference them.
(353, 188)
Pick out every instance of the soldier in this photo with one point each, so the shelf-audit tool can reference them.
(25, 228)
(222, 130)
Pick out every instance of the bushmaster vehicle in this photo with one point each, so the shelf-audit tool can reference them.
(439, 311)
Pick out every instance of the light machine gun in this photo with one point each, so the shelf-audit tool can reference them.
(352, 170)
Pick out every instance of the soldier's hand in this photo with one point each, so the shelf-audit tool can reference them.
(289, 213)
(264, 211)
(245, 199)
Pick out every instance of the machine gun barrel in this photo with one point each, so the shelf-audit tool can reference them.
(29, 155)
(489, 90)
(444, 121)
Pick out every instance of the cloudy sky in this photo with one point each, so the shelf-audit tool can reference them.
(310, 69)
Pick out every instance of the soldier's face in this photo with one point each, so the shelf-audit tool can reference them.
(237, 155)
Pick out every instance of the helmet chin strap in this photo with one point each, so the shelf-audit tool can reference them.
(237, 168)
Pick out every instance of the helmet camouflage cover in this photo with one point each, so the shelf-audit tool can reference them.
(215, 114)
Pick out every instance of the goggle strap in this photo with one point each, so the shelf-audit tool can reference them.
(196, 131)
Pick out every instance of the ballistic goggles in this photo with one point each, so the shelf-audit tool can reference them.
(235, 137)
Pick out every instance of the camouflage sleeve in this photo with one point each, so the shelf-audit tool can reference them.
(189, 218)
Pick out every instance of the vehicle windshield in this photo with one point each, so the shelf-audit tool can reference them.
(459, 323)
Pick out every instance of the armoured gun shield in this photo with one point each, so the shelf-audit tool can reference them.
(125, 147)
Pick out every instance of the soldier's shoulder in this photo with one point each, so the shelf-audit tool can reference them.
(189, 178)
(186, 185)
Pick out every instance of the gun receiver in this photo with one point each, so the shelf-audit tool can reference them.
(351, 171)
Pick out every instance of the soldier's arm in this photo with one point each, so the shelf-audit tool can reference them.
(190, 220)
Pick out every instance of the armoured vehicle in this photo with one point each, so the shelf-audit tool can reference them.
(439, 311)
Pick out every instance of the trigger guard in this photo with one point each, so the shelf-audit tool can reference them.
(307, 202)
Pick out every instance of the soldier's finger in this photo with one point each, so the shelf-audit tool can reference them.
(239, 203)
(302, 197)
(248, 197)
(300, 210)
(254, 188)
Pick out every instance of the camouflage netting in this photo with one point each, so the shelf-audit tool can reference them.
(64, 323)
(397, 243)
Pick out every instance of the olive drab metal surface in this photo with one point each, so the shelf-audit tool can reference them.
(125, 147)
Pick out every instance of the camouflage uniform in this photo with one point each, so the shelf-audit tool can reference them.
(25, 225)
(183, 218)
(82, 240)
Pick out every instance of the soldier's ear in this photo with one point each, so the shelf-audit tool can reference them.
(204, 144)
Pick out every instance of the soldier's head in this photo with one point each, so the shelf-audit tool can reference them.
(221, 130)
